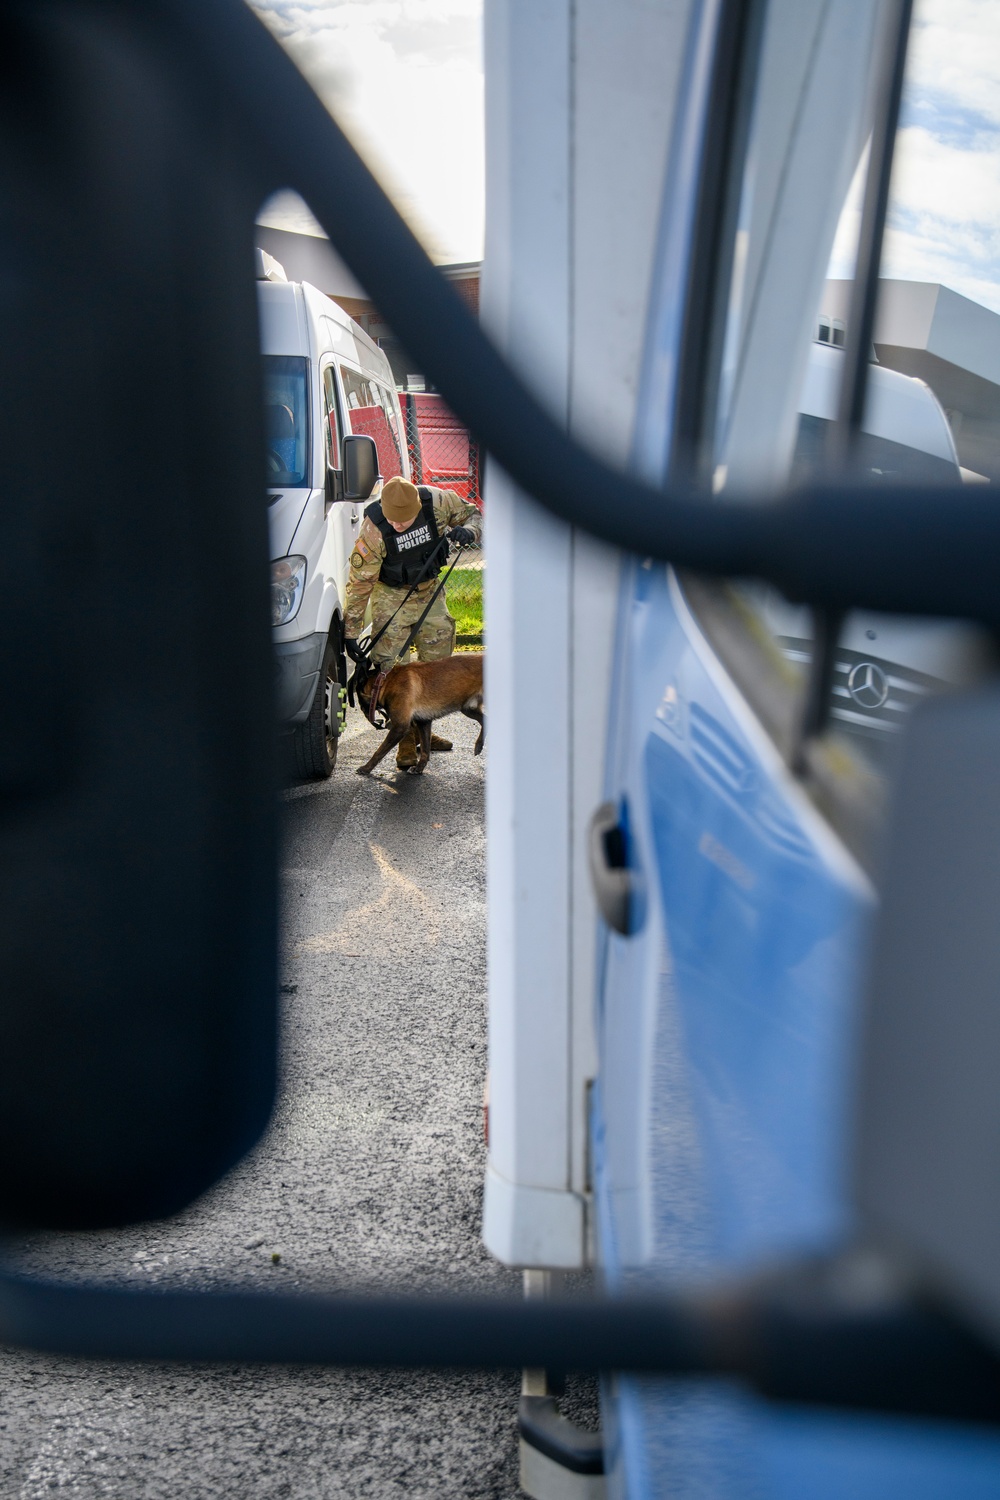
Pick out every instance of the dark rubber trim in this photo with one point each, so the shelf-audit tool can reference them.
(542, 1426)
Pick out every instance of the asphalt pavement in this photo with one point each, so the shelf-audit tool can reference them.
(371, 1176)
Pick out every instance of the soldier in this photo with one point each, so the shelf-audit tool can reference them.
(399, 534)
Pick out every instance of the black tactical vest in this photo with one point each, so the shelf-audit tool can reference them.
(406, 552)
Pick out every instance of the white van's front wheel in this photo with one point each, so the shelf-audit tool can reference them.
(314, 743)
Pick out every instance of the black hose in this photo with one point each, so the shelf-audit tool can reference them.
(106, 1323)
(918, 550)
(778, 1336)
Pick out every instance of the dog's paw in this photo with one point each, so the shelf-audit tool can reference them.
(364, 771)
(414, 770)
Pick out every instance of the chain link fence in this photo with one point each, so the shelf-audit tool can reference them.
(441, 450)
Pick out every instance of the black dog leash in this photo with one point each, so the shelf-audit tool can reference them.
(373, 640)
(359, 677)
(355, 685)
(427, 609)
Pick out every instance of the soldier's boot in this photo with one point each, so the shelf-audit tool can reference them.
(409, 750)
(438, 742)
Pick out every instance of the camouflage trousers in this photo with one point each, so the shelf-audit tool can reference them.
(436, 637)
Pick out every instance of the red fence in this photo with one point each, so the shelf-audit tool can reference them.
(441, 450)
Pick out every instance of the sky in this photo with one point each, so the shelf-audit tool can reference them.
(944, 212)
(405, 80)
(404, 77)
(944, 222)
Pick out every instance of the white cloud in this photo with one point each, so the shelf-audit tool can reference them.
(404, 79)
(944, 213)
(944, 218)
(954, 53)
(957, 184)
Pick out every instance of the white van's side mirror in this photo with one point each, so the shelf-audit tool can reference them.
(360, 473)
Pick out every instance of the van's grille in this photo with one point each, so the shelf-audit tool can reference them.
(868, 692)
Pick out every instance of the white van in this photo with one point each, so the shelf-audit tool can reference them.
(333, 431)
(883, 665)
(905, 436)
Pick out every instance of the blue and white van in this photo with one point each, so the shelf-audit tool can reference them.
(727, 1023)
(723, 1118)
(673, 1085)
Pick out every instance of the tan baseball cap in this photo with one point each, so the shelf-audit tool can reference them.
(400, 500)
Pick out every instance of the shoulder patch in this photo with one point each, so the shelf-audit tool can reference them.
(362, 546)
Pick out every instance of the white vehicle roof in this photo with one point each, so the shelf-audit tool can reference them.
(296, 318)
(900, 408)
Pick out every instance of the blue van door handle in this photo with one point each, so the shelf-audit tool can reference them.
(617, 883)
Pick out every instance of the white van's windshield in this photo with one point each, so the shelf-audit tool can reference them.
(286, 419)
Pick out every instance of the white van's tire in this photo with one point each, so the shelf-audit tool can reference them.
(314, 743)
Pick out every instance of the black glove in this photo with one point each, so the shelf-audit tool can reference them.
(461, 536)
(353, 650)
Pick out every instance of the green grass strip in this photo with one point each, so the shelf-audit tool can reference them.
(464, 593)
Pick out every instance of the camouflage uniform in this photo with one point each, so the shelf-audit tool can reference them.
(436, 638)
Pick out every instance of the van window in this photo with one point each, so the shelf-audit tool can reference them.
(286, 420)
(371, 410)
(389, 407)
(771, 417)
(331, 418)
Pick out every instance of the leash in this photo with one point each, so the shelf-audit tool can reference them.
(374, 640)
(427, 609)
(375, 701)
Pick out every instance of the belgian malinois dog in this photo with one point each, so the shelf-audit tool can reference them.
(413, 696)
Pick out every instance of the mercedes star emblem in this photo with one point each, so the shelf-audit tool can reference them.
(868, 685)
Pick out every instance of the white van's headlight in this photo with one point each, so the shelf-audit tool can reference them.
(288, 579)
